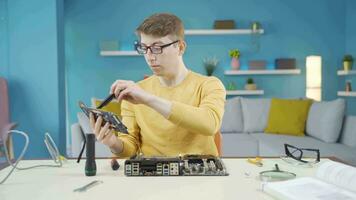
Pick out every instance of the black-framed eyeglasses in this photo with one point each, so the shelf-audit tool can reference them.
(155, 49)
(303, 155)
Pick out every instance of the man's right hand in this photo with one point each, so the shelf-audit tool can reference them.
(105, 134)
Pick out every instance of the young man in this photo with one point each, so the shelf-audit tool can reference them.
(174, 111)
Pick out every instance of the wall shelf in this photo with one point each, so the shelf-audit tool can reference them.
(119, 53)
(263, 72)
(244, 92)
(189, 32)
(344, 73)
(221, 31)
(346, 94)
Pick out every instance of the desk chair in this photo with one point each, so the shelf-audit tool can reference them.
(5, 124)
(218, 142)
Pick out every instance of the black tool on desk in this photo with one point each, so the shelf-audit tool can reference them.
(114, 164)
(90, 164)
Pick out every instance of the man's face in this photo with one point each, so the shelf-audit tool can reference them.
(165, 63)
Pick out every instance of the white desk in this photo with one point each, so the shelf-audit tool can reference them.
(59, 183)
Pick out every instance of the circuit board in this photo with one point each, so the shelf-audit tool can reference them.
(188, 165)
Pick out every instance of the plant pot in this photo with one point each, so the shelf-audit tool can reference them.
(235, 63)
(250, 87)
(347, 65)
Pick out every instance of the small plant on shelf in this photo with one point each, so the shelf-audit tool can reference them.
(250, 84)
(210, 65)
(235, 55)
(231, 86)
(348, 61)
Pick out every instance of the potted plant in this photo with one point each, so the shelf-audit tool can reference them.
(348, 61)
(250, 84)
(210, 64)
(255, 26)
(235, 62)
(231, 86)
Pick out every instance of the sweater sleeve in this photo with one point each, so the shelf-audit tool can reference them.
(130, 141)
(206, 118)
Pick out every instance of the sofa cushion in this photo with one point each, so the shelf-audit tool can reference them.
(348, 134)
(235, 145)
(288, 116)
(232, 120)
(255, 114)
(273, 145)
(325, 120)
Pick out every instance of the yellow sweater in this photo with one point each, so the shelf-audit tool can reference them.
(196, 115)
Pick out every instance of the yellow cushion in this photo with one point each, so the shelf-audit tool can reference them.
(113, 106)
(288, 117)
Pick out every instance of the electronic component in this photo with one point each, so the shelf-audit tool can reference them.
(114, 121)
(188, 165)
(114, 164)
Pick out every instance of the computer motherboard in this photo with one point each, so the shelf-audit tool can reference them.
(188, 165)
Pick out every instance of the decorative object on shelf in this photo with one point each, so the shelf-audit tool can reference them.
(255, 36)
(224, 24)
(250, 84)
(313, 77)
(348, 87)
(345, 73)
(210, 64)
(348, 61)
(255, 26)
(109, 45)
(285, 63)
(235, 62)
(231, 86)
(257, 64)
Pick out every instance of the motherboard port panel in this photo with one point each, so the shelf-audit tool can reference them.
(188, 165)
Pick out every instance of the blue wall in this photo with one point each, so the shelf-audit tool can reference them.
(32, 43)
(4, 65)
(34, 59)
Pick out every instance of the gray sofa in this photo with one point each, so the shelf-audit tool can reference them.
(243, 134)
(327, 129)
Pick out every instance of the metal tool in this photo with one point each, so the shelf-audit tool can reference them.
(88, 186)
(106, 101)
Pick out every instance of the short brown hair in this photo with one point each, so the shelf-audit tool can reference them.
(162, 24)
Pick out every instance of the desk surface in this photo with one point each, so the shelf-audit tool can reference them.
(59, 183)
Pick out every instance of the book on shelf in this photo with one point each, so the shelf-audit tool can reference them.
(332, 180)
